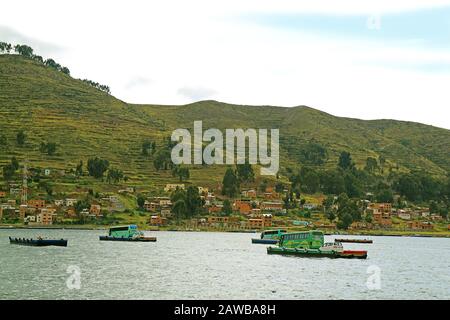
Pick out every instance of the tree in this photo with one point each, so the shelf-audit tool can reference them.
(345, 222)
(408, 186)
(230, 183)
(289, 201)
(353, 185)
(330, 214)
(140, 201)
(345, 161)
(193, 201)
(24, 50)
(382, 161)
(310, 180)
(385, 195)
(51, 63)
(313, 153)
(179, 209)
(65, 70)
(263, 185)
(227, 209)
(348, 211)
(47, 187)
(434, 208)
(8, 172)
(48, 148)
(148, 148)
(80, 205)
(279, 187)
(332, 182)
(178, 194)
(15, 163)
(328, 202)
(5, 47)
(97, 167)
(181, 172)
(79, 169)
(97, 85)
(162, 160)
(114, 175)
(371, 165)
(3, 140)
(20, 138)
(245, 172)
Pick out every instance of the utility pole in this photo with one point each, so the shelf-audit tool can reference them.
(24, 200)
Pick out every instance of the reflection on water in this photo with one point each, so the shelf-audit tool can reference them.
(183, 265)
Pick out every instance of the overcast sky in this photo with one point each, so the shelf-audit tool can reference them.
(364, 59)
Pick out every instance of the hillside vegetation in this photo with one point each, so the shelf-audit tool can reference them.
(50, 106)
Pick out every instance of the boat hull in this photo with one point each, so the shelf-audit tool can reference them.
(144, 239)
(38, 242)
(264, 241)
(317, 253)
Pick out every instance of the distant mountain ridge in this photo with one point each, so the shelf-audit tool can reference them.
(84, 122)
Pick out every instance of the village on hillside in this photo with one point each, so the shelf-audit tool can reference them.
(251, 210)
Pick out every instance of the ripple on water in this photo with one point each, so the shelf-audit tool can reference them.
(217, 266)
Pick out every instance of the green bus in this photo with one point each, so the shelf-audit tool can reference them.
(130, 231)
(304, 240)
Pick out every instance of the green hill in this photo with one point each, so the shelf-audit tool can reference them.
(85, 122)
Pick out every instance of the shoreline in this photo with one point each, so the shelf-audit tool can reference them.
(352, 233)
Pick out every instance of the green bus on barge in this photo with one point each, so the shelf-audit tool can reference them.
(126, 233)
(312, 244)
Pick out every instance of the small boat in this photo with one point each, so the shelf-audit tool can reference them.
(269, 237)
(126, 233)
(354, 240)
(311, 244)
(38, 242)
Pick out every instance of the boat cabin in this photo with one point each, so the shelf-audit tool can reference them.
(305, 240)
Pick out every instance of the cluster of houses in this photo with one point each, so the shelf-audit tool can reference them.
(416, 219)
(252, 210)
(39, 212)
(255, 213)
(42, 212)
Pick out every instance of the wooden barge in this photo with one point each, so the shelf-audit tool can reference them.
(38, 242)
(311, 244)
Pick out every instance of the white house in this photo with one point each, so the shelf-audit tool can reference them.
(404, 216)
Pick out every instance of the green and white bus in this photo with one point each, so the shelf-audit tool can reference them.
(130, 231)
(305, 240)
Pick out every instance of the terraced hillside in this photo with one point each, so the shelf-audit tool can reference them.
(85, 122)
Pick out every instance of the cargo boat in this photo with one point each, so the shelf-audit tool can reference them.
(269, 237)
(311, 244)
(126, 233)
(38, 242)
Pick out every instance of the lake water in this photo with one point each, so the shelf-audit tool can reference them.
(191, 265)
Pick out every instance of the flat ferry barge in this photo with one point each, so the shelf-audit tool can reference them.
(311, 244)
